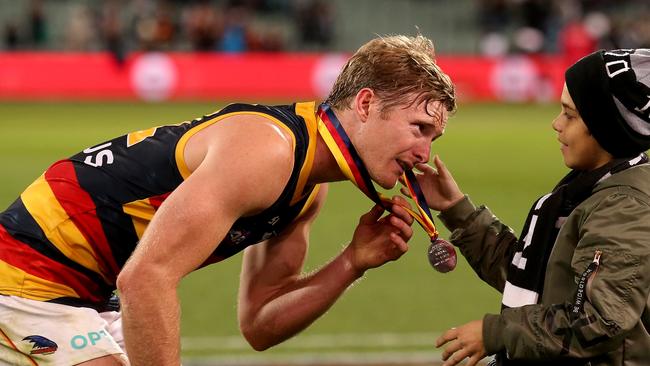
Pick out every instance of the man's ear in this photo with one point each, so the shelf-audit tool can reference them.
(362, 103)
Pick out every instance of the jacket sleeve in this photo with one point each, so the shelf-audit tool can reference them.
(484, 241)
(616, 294)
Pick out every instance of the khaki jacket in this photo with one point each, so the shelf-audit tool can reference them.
(614, 327)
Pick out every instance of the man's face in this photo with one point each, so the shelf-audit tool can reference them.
(580, 149)
(399, 138)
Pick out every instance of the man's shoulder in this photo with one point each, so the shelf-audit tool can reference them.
(280, 111)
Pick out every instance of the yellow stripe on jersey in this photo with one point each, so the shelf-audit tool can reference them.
(307, 112)
(141, 213)
(57, 226)
(17, 282)
(310, 200)
(180, 147)
(137, 136)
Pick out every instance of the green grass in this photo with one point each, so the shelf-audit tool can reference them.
(504, 156)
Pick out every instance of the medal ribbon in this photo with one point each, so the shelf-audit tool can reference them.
(425, 219)
(352, 166)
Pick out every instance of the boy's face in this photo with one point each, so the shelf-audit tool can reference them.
(399, 138)
(580, 149)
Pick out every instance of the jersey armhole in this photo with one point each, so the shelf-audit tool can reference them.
(182, 142)
(309, 202)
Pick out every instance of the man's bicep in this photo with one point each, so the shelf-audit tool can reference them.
(197, 215)
(188, 225)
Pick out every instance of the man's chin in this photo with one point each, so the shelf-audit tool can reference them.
(387, 184)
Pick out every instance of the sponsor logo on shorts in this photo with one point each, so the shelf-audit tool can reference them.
(81, 341)
(41, 345)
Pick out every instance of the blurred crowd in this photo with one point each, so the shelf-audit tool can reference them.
(569, 27)
(121, 26)
(573, 28)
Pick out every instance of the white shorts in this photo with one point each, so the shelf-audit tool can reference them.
(42, 333)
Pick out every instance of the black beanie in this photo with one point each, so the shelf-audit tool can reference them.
(611, 90)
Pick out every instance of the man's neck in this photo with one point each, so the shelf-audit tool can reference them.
(325, 168)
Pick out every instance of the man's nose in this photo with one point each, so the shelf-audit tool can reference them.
(422, 154)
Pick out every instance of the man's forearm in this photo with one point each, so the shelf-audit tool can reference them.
(150, 320)
(296, 305)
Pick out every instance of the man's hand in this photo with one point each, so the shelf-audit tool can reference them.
(463, 342)
(377, 239)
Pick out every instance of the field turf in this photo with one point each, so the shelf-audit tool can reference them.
(504, 156)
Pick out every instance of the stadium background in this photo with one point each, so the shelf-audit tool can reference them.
(76, 72)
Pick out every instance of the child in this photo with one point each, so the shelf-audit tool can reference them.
(575, 284)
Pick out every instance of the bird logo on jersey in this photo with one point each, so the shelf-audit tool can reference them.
(237, 236)
(41, 345)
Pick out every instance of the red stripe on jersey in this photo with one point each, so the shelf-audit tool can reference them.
(156, 201)
(63, 181)
(24, 257)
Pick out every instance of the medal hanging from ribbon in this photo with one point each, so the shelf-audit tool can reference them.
(441, 254)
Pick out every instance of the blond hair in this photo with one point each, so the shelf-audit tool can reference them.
(395, 68)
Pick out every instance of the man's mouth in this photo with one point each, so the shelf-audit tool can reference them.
(404, 165)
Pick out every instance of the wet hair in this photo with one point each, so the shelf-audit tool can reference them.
(399, 70)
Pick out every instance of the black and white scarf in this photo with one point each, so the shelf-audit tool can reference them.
(525, 280)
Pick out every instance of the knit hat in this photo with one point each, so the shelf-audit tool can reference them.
(611, 90)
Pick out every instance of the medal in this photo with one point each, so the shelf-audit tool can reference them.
(441, 254)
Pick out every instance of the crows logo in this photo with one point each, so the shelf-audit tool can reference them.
(42, 345)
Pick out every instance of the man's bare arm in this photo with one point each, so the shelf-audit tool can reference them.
(190, 224)
(276, 301)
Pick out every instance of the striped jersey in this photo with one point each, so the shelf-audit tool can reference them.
(69, 233)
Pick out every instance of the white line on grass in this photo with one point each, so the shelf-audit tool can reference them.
(317, 341)
(319, 349)
(306, 359)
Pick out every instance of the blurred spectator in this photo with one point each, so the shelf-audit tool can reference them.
(165, 26)
(81, 30)
(153, 25)
(576, 42)
(112, 31)
(633, 33)
(235, 35)
(493, 16)
(11, 36)
(315, 20)
(494, 44)
(598, 25)
(529, 40)
(37, 24)
(203, 25)
(536, 13)
(272, 40)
